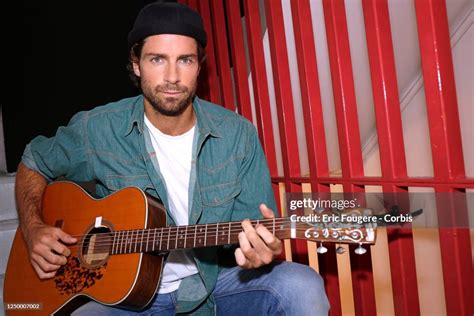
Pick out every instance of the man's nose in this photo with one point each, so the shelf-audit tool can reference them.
(172, 74)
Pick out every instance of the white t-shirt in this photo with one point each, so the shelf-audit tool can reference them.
(174, 155)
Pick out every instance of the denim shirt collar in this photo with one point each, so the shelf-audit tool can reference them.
(136, 118)
(205, 124)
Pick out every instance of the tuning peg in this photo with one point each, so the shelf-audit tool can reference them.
(340, 250)
(321, 249)
(360, 250)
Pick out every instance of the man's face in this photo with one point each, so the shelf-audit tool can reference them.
(168, 71)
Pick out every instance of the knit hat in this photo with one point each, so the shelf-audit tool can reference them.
(167, 18)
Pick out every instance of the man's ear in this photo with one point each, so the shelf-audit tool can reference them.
(136, 68)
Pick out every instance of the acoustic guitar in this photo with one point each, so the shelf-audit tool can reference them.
(119, 255)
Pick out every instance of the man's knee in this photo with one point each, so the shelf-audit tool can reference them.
(301, 287)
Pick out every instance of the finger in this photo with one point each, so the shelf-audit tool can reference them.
(270, 240)
(45, 251)
(66, 238)
(61, 249)
(55, 259)
(241, 260)
(247, 250)
(43, 264)
(41, 274)
(253, 237)
(266, 211)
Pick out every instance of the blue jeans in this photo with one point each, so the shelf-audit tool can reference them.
(281, 288)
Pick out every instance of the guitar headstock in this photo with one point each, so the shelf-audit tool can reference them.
(363, 235)
(352, 226)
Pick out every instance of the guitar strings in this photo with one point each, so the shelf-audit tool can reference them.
(133, 236)
(134, 241)
(211, 225)
(225, 224)
(137, 234)
(191, 228)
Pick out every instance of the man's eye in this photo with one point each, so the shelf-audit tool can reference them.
(187, 60)
(157, 60)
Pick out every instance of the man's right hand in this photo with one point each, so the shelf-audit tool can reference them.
(47, 249)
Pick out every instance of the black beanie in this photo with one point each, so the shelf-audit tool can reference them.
(167, 18)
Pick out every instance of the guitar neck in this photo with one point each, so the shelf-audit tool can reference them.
(217, 234)
(186, 237)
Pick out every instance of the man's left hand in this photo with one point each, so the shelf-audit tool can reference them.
(258, 246)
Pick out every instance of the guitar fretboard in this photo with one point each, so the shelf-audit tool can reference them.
(185, 237)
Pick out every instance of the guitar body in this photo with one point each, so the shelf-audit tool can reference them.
(124, 280)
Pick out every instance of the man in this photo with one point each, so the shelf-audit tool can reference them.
(203, 162)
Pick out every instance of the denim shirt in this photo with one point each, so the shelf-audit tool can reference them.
(111, 145)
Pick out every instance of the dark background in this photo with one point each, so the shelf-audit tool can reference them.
(73, 56)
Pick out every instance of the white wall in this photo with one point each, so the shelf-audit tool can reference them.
(8, 214)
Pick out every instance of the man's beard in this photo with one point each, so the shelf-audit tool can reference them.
(169, 106)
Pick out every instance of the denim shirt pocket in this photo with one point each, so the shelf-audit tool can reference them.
(117, 182)
(218, 201)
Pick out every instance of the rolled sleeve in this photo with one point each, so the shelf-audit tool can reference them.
(64, 154)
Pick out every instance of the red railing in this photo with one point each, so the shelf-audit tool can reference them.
(225, 80)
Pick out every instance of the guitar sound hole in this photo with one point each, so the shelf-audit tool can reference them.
(96, 247)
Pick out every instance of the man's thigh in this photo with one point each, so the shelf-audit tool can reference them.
(281, 288)
(163, 305)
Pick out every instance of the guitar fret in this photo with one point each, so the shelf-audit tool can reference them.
(185, 236)
(119, 246)
(125, 247)
(154, 237)
(168, 243)
(177, 237)
(121, 241)
(195, 232)
(113, 243)
(135, 242)
(217, 232)
(131, 240)
(147, 240)
(117, 234)
(205, 235)
(274, 226)
(141, 241)
(124, 241)
(228, 233)
(161, 237)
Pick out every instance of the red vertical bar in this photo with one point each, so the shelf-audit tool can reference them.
(349, 139)
(310, 93)
(446, 147)
(315, 134)
(260, 85)
(238, 58)
(285, 109)
(392, 156)
(193, 4)
(223, 66)
(440, 89)
(209, 85)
